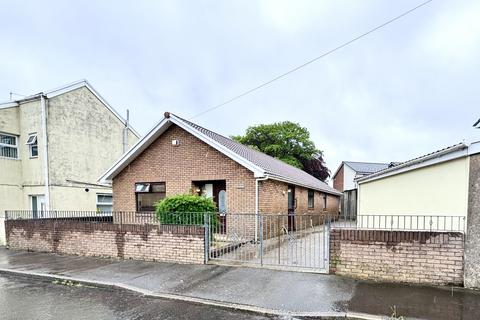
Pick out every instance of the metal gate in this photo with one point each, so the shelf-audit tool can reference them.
(285, 241)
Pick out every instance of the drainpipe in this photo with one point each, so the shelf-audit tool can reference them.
(257, 204)
(45, 152)
(125, 133)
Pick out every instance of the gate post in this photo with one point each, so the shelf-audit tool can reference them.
(206, 226)
(260, 225)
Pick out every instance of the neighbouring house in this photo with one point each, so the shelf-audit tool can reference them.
(178, 156)
(434, 185)
(53, 147)
(344, 181)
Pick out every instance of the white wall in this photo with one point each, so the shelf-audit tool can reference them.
(436, 190)
(348, 177)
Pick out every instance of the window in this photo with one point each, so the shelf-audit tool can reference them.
(104, 202)
(32, 144)
(149, 193)
(8, 146)
(311, 199)
(324, 201)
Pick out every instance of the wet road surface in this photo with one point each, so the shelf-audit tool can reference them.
(35, 298)
(279, 290)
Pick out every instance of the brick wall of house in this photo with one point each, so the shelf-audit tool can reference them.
(180, 244)
(398, 256)
(274, 199)
(338, 179)
(178, 166)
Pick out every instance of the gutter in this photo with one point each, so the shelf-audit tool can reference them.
(45, 152)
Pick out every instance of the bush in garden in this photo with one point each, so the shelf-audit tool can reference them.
(186, 209)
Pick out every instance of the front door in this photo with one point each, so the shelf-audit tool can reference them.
(292, 204)
(217, 191)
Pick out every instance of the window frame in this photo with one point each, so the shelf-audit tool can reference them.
(6, 145)
(311, 196)
(150, 188)
(100, 203)
(32, 144)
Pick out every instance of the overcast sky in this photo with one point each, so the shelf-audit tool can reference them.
(405, 90)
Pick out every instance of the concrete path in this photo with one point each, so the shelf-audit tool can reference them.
(261, 290)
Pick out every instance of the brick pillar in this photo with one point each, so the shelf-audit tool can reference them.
(472, 244)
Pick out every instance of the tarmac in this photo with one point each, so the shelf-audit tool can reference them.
(265, 291)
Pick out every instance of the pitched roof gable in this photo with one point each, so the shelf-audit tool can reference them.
(260, 164)
(67, 88)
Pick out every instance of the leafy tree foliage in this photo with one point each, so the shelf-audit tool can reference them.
(289, 142)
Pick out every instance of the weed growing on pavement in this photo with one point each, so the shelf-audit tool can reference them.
(394, 315)
(70, 283)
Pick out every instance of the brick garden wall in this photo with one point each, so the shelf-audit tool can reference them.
(170, 243)
(398, 256)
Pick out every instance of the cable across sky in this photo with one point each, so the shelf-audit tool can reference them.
(264, 84)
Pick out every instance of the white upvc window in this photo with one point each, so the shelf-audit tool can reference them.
(32, 145)
(104, 202)
(8, 146)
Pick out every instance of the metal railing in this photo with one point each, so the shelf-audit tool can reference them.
(118, 217)
(430, 223)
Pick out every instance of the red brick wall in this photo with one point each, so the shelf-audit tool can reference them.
(338, 179)
(398, 256)
(274, 199)
(178, 166)
(180, 244)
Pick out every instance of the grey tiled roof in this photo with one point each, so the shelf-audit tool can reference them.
(366, 167)
(272, 167)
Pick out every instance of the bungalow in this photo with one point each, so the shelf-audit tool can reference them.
(428, 192)
(178, 156)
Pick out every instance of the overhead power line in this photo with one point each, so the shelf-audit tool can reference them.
(312, 60)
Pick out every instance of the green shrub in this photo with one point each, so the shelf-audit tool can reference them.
(186, 209)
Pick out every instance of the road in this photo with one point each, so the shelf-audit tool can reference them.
(35, 298)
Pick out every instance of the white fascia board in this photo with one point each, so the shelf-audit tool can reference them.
(85, 83)
(257, 171)
(290, 181)
(135, 150)
(452, 155)
(11, 104)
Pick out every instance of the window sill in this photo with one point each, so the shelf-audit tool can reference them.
(7, 158)
(34, 157)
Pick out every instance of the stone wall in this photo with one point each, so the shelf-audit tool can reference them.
(472, 241)
(170, 243)
(398, 256)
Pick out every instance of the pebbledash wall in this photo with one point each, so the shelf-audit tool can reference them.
(398, 256)
(169, 243)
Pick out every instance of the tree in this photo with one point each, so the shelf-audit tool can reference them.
(289, 142)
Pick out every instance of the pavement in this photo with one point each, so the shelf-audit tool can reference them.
(259, 290)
